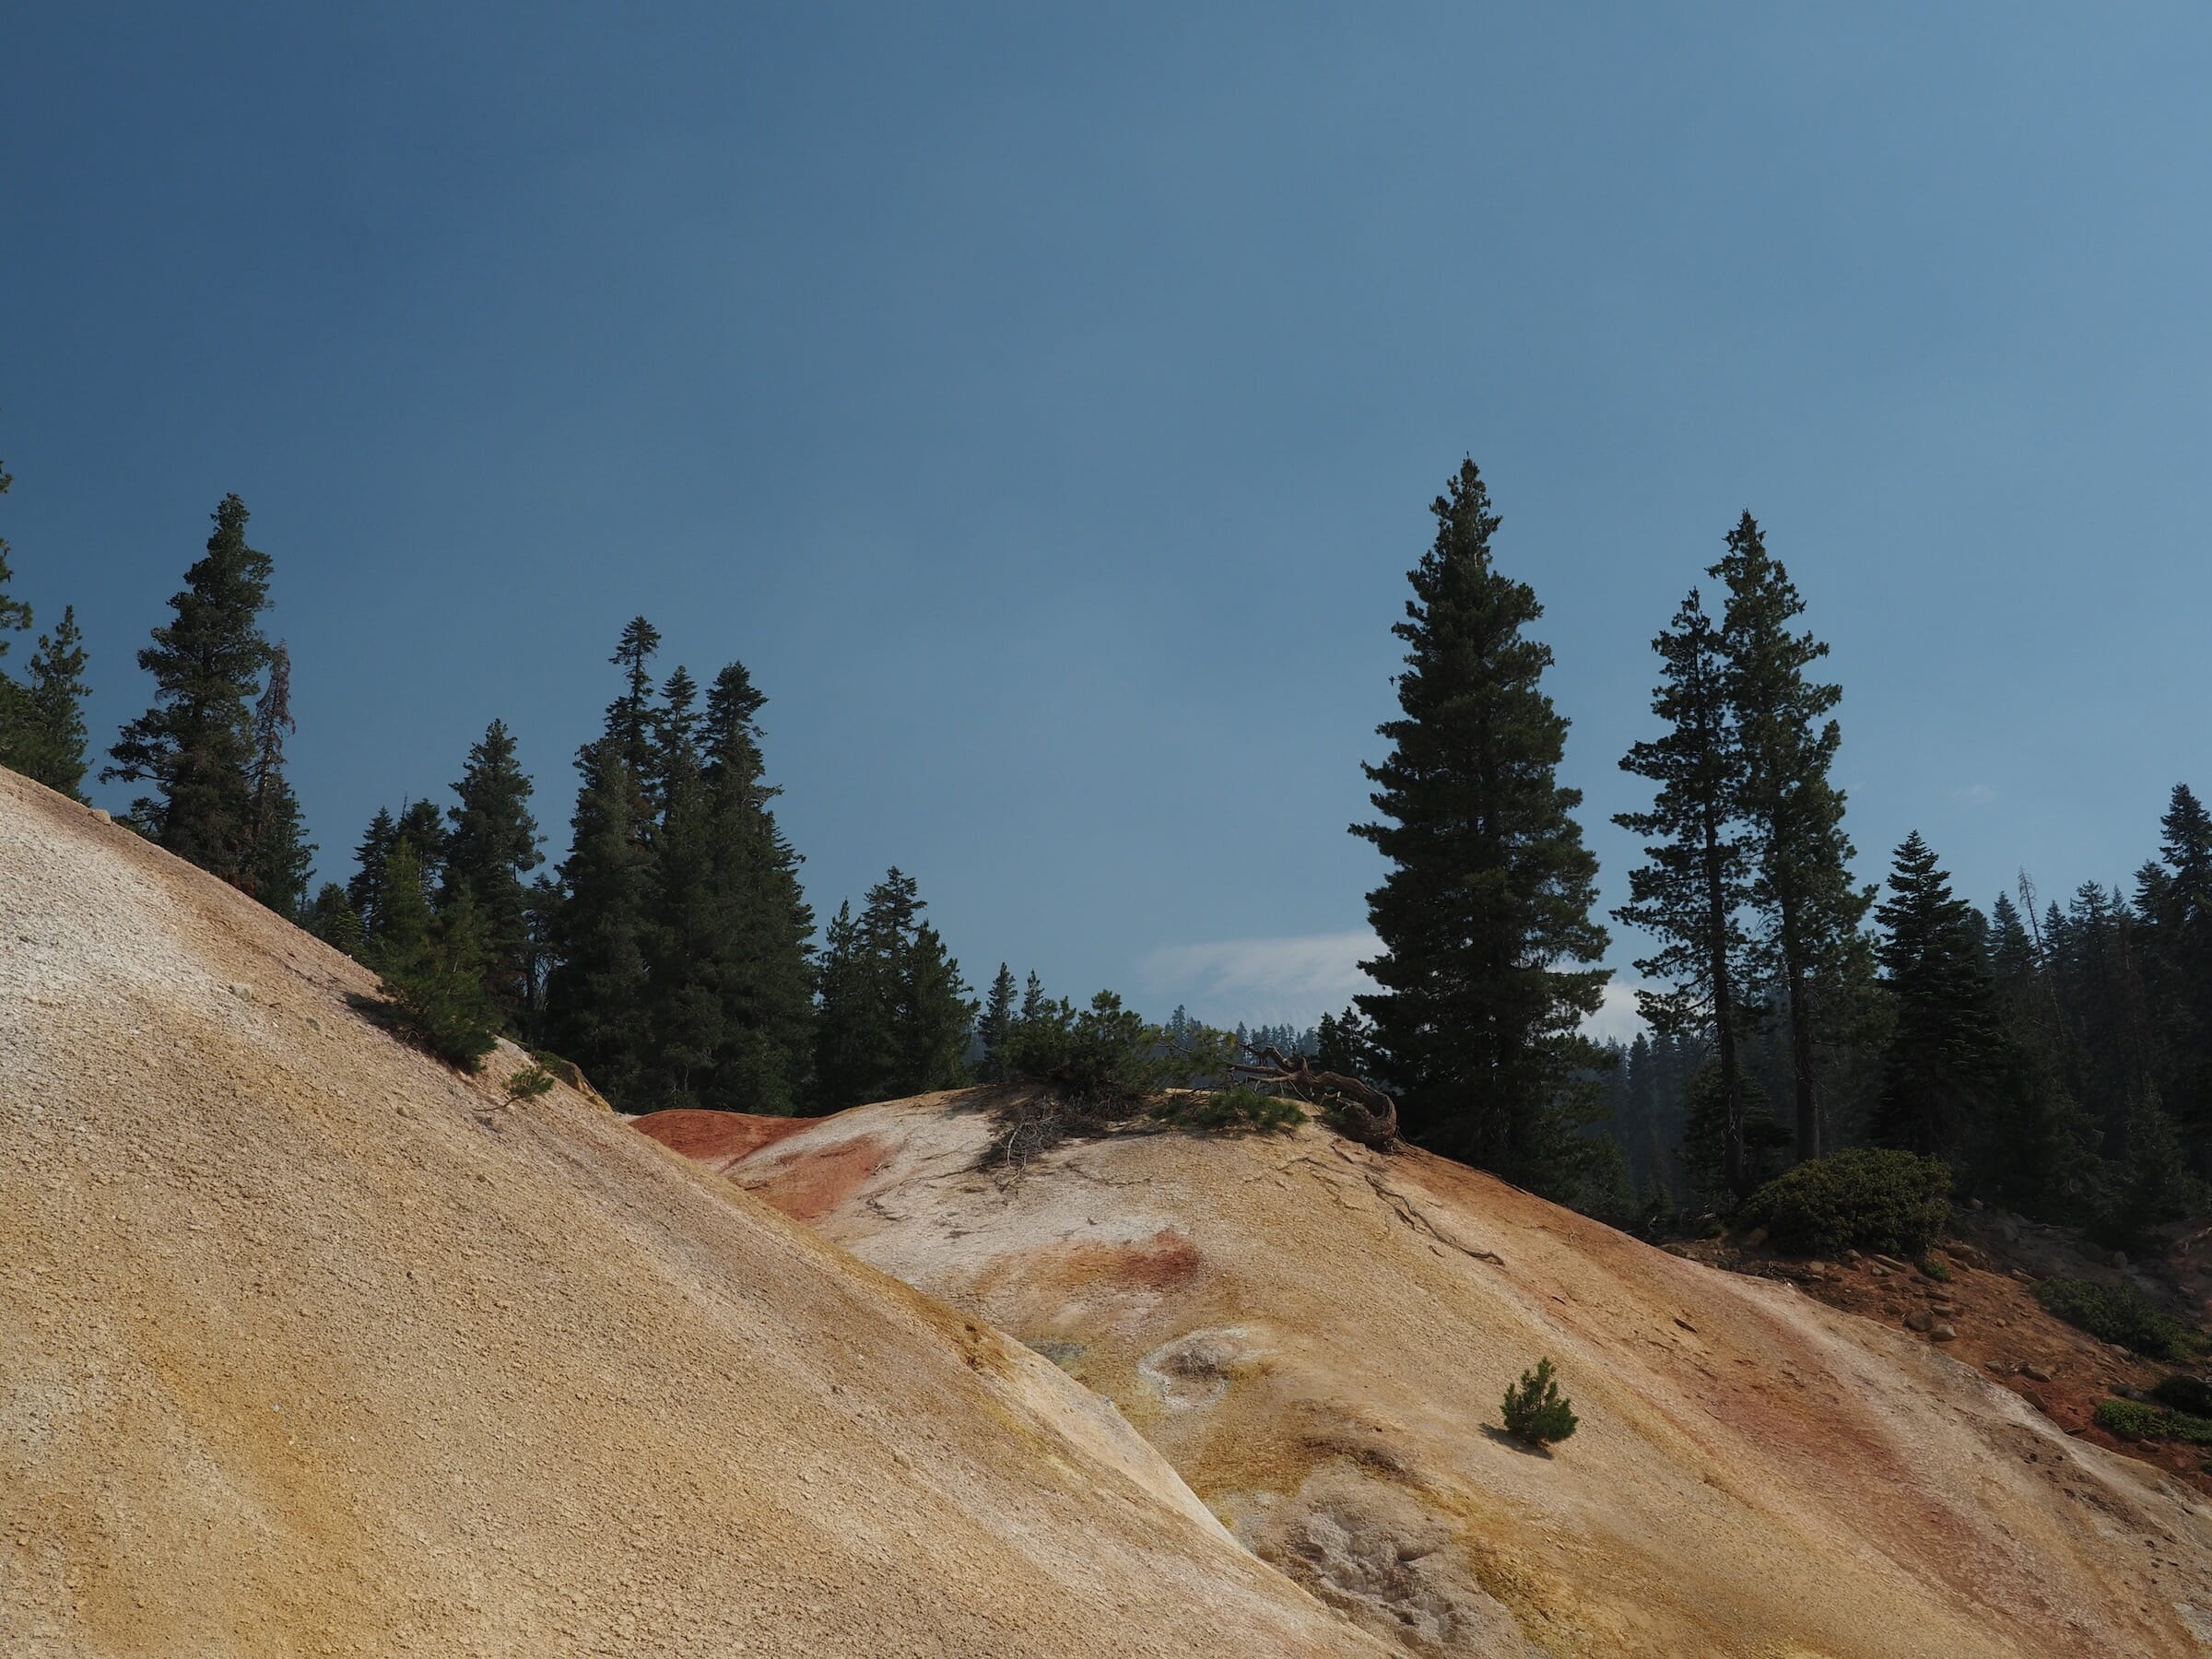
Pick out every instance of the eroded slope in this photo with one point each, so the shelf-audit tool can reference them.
(308, 1346)
(1318, 1337)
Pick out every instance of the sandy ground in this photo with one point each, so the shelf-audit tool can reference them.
(309, 1347)
(1318, 1339)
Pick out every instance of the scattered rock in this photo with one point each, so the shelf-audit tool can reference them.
(2038, 1372)
(1920, 1319)
(2119, 1258)
(1943, 1333)
(1756, 1237)
(100, 815)
(1878, 1271)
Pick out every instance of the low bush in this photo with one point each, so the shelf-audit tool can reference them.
(1867, 1198)
(2119, 1313)
(529, 1083)
(2131, 1420)
(2185, 1392)
(1231, 1110)
(1933, 1270)
(1088, 1071)
(1536, 1411)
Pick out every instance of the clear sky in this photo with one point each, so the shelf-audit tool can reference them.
(1044, 403)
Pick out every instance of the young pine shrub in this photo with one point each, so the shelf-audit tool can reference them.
(1867, 1198)
(1231, 1110)
(1536, 1411)
(2120, 1313)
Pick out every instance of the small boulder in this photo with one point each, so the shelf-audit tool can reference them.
(1943, 1333)
(1755, 1237)
(2038, 1372)
(1920, 1319)
(2119, 1258)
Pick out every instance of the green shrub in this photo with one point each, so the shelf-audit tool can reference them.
(1231, 1110)
(2131, 1420)
(2183, 1392)
(1867, 1198)
(529, 1083)
(1933, 1270)
(2119, 1313)
(1536, 1411)
(431, 966)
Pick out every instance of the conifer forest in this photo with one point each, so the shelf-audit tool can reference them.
(646, 920)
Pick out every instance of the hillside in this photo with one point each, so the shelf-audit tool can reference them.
(308, 1346)
(1317, 1338)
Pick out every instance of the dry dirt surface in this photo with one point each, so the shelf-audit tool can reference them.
(309, 1347)
(1318, 1337)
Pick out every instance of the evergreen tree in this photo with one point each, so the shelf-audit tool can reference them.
(597, 1002)
(431, 966)
(1033, 1001)
(422, 827)
(996, 1028)
(490, 848)
(2173, 900)
(332, 919)
(42, 726)
(1490, 889)
(1346, 1044)
(280, 859)
(195, 745)
(372, 858)
(631, 722)
(1695, 880)
(15, 616)
(733, 979)
(1802, 888)
(895, 1014)
(1947, 1067)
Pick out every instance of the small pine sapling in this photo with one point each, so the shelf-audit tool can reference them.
(529, 1084)
(1536, 1411)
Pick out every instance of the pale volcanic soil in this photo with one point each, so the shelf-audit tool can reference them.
(1317, 1337)
(308, 1345)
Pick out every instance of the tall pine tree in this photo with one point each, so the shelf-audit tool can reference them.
(996, 1029)
(490, 848)
(280, 859)
(195, 745)
(1802, 885)
(895, 1015)
(42, 726)
(1947, 1069)
(596, 1004)
(1488, 900)
(1690, 890)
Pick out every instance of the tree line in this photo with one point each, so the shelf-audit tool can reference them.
(2059, 1056)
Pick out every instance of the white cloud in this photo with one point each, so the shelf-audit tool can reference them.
(1974, 794)
(1299, 978)
(1616, 1016)
(1264, 980)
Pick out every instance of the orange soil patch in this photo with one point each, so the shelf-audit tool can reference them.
(718, 1139)
(1165, 1261)
(812, 1186)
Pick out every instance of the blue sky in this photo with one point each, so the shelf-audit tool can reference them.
(1045, 406)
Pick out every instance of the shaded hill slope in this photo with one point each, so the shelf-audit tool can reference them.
(308, 1346)
(1318, 1338)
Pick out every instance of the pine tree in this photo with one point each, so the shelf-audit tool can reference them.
(996, 1028)
(895, 1015)
(280, 858)
(332, 919)
(597, 1002)
(1490, 889)
(1033, 1001)
(1690, 890)
(15, 616)
(1802, 887)
(2173, 900)
(491, 847)
(1947, 1067)
(195, 745)
(431, 966)
(372, 858)
(43, 726)
(631, 725)
(2036, 1152)
(732, 975)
